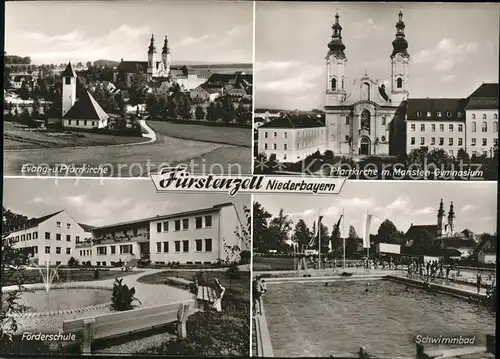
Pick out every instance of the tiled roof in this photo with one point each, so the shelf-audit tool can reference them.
(439, 109)
(431, 228)
(86, 108)
(458, 243)
(294, 121)
(33, 222)
(69, 72)
(486, 90)
(485, 97)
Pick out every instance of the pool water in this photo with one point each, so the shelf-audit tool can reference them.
(314, 320)
(61, 299)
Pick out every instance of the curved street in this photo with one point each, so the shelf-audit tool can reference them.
(136, 160)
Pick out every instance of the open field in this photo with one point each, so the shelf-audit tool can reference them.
(138, 161)
(228, 135)
(15, 137)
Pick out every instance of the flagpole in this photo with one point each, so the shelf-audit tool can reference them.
(319, 242)
(343, 235)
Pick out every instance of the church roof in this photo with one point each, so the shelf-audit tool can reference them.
(86, 108)
(439, 109)
(457, 243)
(69, 72)
(294, 121)
(484, 97)
(431, 228)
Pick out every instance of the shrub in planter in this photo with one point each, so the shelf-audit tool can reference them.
(233, 271)
(123, 296)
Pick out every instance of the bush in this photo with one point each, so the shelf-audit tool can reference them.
(96, 273)
(123, 296)
(233, 271)
(72, 262)
(245, 257)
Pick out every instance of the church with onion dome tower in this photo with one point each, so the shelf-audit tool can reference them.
(360, 114)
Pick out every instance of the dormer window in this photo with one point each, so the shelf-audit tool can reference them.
(448, 114)
(419, 114)
(439, 114)
(428, 114)
(459, 114)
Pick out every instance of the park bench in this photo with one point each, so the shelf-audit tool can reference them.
(211, 296)
(105, 326)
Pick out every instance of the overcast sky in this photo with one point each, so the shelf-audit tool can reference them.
(113, 201)
(403, 203)
(58, 31)
(453, 48)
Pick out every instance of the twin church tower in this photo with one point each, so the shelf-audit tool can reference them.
(158, 68)
(358, 119)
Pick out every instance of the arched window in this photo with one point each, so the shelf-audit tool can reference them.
(495, 126)
(473, 116)
(383, 138)
(334, 84)
(473, 126)
(347, 138)
(495, 116)
(484, 116)
(484, 127)
(399, 83)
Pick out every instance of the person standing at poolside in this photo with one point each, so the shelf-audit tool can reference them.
(478, 282)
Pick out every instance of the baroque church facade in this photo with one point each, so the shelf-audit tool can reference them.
(359, 122)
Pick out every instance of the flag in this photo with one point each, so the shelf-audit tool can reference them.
(316, 234)
(366, 230)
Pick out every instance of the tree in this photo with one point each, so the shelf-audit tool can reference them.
(279, 228)
(422, 241)
(462, 155)
(88, 64)
(388, 233)
(352, 232)
(6, 77)
(24, 92)
(199, 114)
(138, 89)
(336, 240)
(259, 226)
(211, 112)
(302, 234)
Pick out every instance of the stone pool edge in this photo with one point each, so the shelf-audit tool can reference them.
(69, 285)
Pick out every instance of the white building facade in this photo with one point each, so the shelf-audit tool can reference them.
(49, 238)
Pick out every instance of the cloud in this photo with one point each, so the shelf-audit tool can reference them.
(190, 41)
(446, 55)
(289, 77)
(467, 208)
(401, 203)
(423, 211)
(275, 65)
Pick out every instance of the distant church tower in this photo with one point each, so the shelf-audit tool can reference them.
(152, 57)
(165, 56)
(451, 216)
(68, 88)
(440, 219)
(335, 66)
(399, 64)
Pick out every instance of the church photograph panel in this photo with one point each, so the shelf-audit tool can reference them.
(123, 96)
(112, 267)
(366, 86)
(377, 271)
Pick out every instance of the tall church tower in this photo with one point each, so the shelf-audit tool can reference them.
(152, 57)
(165, 56)
(399, 64)
(440, 219)
(335, 67)
(451, 216)
(68, 88)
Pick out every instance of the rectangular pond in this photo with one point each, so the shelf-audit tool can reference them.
(311, 319)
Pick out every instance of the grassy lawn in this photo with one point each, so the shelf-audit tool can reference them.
(227, 135)
(34, 276)
(272, 263)
(212, 333)
(15, 137)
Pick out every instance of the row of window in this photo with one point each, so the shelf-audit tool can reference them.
(495, 116)
(312, 132)
(103, 250)
(68, 225)
(450, 141)
(58, 250)
(34, 235)
(184, 224)
(285, 146)
(439, 114)
(451, 127)
(77, 123)
(384, 120)
(163, 247)
(484, 126)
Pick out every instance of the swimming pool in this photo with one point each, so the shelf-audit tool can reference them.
(313, 320)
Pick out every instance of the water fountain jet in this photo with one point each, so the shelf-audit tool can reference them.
(49, 274)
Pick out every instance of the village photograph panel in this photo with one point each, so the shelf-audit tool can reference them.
(344, 86)
(117, 268)
(163, 83)
(381, 270)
